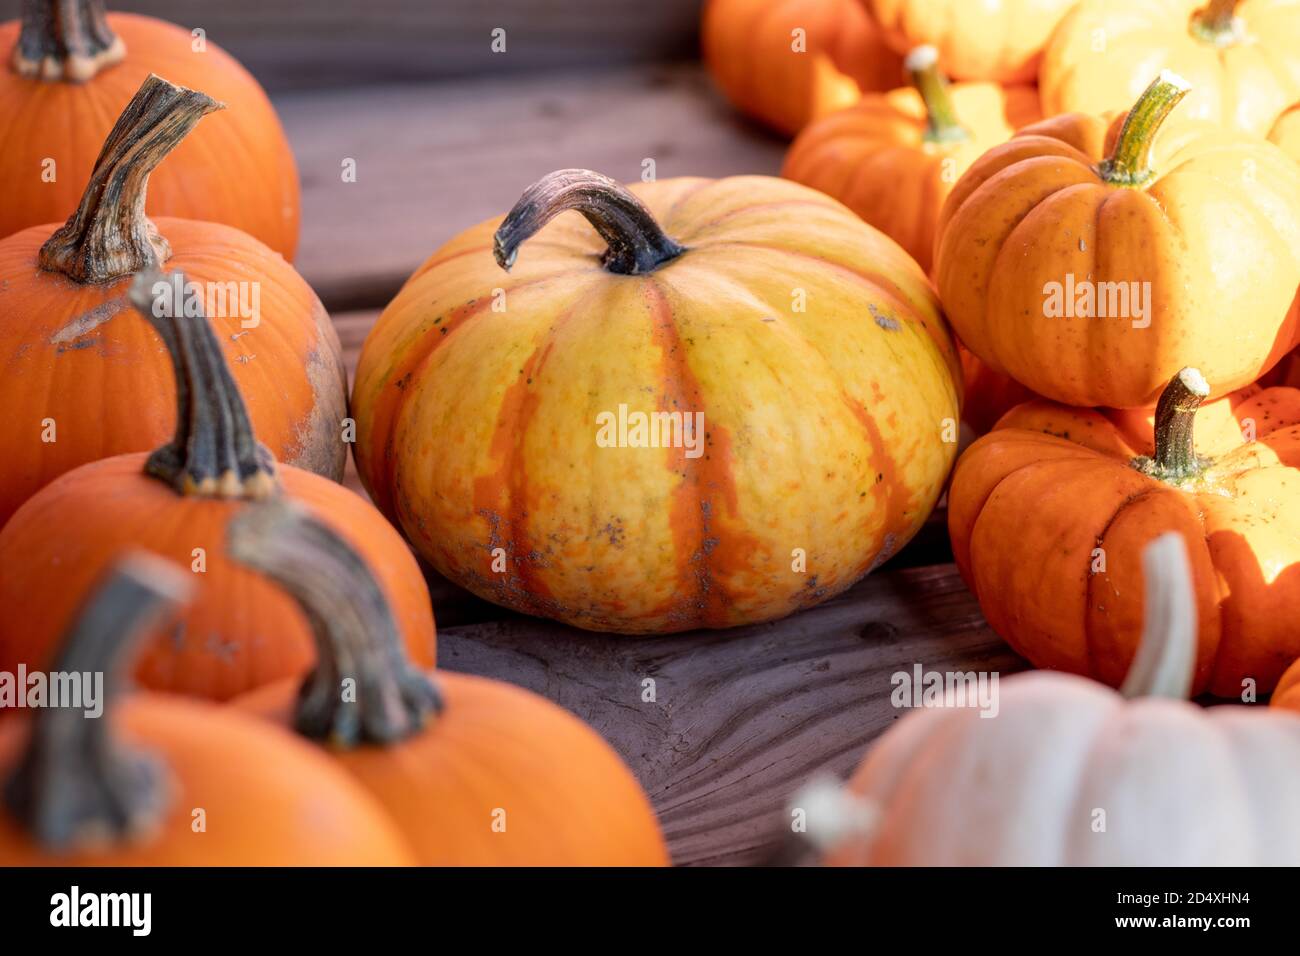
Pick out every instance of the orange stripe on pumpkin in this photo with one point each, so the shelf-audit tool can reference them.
(392, 395)
(501, 497)
(378, 471)
(898, 528)
(711, 559)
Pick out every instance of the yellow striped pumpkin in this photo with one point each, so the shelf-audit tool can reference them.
(497, 411)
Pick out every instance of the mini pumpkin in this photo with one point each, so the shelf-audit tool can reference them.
(155, 780)
(1056, 580)
(712, 403)
(475, 772)
(1286, 372)
(786, 62)
(1069, 773)
(72, 69)
(999, 41)
(85, 378)
(988, 395)
(1241, 57)
(893, 157)
(240, 632)
(1092, 263)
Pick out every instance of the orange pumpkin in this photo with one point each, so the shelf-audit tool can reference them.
(1091, 265)
(893, 157)
(1286, 132)
(988, 395)
(1241, 57)
(1287, 692)
(72, 69)
(1057, 579)
(1286, 372)
(240, 632)
(1000, 41)
(85, 378)
(1170, 783)
(154, 780)
(786, 62)
(639, 433)
(474, 771)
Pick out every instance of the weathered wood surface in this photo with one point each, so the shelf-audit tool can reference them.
(743, 718)
(313, 44)
(433, 160)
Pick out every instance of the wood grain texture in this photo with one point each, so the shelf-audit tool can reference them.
(305, 44)
(433, 160)
(743, 718)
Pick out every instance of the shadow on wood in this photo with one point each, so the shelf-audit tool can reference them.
(741, 718)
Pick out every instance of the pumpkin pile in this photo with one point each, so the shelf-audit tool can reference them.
(1116, 246)
(1060, 291)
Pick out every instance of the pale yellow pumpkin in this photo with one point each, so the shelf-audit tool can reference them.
(490, 406)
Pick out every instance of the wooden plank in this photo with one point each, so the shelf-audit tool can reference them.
(742, 718)
(432, 160)
(309, 44)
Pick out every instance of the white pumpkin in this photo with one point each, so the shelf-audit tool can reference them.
(1070, 772)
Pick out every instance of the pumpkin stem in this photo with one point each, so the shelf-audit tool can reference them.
(214, 452)
(362, 689)
(1175, 460)
(636, 243)
(942, 125)
(833, 815)
(1166, 656)
(75, 784)
(1217, 24)
(109, 235)
(65, 40)
(1129, 163)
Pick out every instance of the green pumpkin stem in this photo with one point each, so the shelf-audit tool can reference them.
(1217, 24)
(942, 125)
(1165, 662)
(76, 785)
(109, 236)
(65, 40)
(362, 689)
(636, 243)
(1175, 459)
(1129, 163)
(214, 452)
